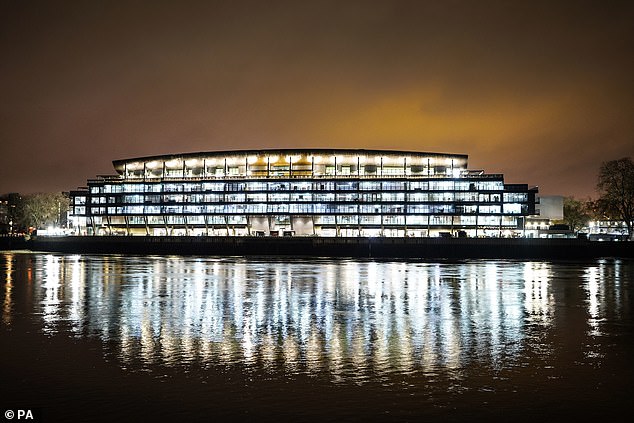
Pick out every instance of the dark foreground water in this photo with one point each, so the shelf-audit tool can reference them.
(149, 338)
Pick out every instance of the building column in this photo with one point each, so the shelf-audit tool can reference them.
(109, 224)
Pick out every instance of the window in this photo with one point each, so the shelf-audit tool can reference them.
(490, 185)
(370, 220)
(235, 198)
(512, 208)
(324, 197)
(466, 220)
(279, 197)
(213, 198)
(393, 196)
(133, 198)
(325, 220)
(301, 197)
(347, 219)
(418, 209)
(256, 186)
(194, 209)
(489, 209)
(346, 186)
(279, 186)
(301, 186)
(512, 197)
(419, 186)
(393, 185)
(172, 209)
(256, 197)
(393, 170)
(133, 209)
(369, 185)
(173, 198)
(347, 197)
(173, 187)
(213, 187)
(418, 197)
(153, 188)
(488, 220)
(417, 220)
(441, 186)
(394, 220)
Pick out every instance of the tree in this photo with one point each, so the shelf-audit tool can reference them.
(616, 187)
(41, 210)
(576, 213)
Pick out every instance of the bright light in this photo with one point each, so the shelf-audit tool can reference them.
(52, 231)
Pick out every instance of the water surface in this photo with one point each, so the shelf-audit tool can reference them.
(103, 337)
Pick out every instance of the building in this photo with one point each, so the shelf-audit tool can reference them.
(546, 223)
(8, 204)
(302, 192)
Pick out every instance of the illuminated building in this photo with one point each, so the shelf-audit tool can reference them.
(301, 192)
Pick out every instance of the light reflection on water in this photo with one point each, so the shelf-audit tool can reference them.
(351, 321)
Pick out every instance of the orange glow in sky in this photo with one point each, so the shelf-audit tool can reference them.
(540, 91)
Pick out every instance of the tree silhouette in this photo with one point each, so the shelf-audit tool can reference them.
(41, 209)
(616, 186)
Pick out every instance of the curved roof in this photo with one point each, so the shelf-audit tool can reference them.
(120, 164)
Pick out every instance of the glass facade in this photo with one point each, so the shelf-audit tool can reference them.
(301, 193)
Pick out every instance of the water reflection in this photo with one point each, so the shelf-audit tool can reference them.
(346, 319)
(7, 304)
(604, 299)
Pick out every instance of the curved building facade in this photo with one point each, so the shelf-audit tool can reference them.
(301, 192)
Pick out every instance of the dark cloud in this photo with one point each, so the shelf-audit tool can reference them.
(540, 91)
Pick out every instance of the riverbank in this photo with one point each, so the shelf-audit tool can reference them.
(13, 242)
(419, 248)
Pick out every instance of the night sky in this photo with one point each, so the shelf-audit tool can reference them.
(542, 91)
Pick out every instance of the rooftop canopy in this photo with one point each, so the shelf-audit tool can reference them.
(298, 159)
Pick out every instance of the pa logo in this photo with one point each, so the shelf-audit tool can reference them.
(18, 415)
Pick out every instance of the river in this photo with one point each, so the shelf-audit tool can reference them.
(129, 338)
